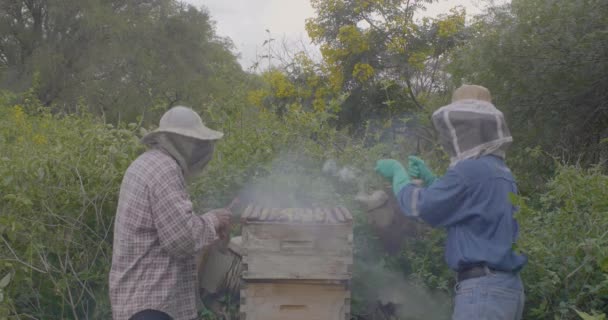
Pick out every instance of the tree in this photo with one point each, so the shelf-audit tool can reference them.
(546, 63)
(123, 59)
(385, 60)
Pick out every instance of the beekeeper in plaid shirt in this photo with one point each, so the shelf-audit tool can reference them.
(156, 233)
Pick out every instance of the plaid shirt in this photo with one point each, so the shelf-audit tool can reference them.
(156, 237)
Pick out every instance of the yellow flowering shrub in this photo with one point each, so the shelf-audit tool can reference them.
(279, 84)
(452, 23)
(256, 97)
(353, 39)
(363, 71)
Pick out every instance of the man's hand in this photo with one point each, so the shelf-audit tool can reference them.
(393, 170)
(418, 169)
(222, 229)
(388, 167)
(224, 218)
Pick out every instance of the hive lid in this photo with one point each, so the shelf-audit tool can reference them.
(337, 215)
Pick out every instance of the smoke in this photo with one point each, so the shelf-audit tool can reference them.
(346, 174)
(399, 297)
(389, 291)
(330, 167)
(296, 180)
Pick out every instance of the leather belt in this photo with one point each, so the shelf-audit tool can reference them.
(474, 272)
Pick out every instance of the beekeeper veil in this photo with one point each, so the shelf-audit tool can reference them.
(471, 126)
(182, 134)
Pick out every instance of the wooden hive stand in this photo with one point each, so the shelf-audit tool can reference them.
(297, 263)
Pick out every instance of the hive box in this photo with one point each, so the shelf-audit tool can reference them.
(297, 263)
(294, 300)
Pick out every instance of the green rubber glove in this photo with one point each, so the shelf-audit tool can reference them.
(393, 170)
(418, 169)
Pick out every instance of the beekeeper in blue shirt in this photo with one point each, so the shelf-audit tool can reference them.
(472, 202)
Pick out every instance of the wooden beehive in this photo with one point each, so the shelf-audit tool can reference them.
(297, 263)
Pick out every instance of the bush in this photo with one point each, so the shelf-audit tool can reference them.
(59, 185)
(566, 239)
(60, 177)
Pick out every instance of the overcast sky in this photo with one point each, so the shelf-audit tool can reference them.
(245, 21)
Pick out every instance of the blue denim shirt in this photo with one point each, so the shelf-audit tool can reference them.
(472, 202)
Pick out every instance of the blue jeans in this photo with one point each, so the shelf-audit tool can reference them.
(496, 296)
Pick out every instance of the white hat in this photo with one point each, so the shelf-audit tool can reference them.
(184, 121)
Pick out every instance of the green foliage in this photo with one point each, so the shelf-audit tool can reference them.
(60, 179)
(382, 75)
(586, 316)
(121, 59)
(379, 65)
(253, 142)
(544, 61)
(60, 203)
(58, 206)
(566, 240)
(384, 60)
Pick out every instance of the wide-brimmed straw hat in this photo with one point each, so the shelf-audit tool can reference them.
(184, 121)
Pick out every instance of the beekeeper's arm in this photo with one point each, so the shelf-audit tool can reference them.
(439, 204)
(180, 231)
